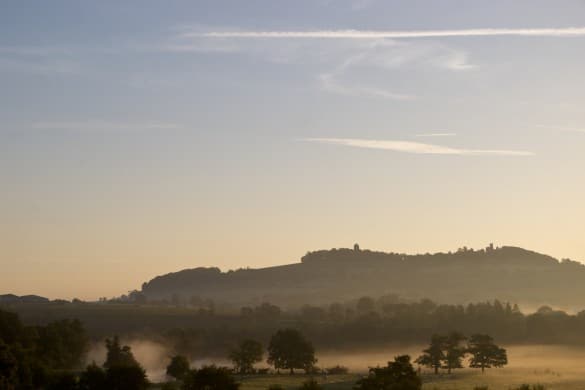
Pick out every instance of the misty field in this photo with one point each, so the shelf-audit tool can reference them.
(503, 379)
(554, 367)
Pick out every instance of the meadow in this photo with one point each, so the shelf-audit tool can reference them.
(467, 379)
(554, 367)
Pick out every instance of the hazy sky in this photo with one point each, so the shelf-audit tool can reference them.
(150, 136)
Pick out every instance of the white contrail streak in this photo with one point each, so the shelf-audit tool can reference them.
(415, 147)
(373, 34)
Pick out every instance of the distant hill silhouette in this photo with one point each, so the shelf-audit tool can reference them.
(11, 298)
(325, 276)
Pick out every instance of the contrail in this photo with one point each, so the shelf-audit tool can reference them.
(372, 34)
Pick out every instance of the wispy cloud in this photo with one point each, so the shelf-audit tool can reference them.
(105, 126)
(386, 55)
(416, 147)
(436, 135)
(331, 82)
(397, 34)
(357, 68)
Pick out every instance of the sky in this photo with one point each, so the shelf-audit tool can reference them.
(139, 138)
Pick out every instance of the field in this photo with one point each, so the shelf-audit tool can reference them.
(555, 367)
(503, 379)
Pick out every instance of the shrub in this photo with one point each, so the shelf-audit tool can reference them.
(526, 386)
(311, 384)
(337, 370)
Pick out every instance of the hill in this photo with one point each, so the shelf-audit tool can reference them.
(507, 273)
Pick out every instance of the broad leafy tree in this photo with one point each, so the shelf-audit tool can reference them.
(434, 356)
(455, 351)
(8, 367)
(289, 350)
(246, 355)
(62, 344)
(178, 367)
(121, 371)
(484, 353)
(126, 378)
(118, 355)
(398, 375)
(93, 378)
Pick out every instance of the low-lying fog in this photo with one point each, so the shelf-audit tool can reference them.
(558, 360)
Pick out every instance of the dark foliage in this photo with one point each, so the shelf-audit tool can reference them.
(289, 350)
(178, 367)
(210, 378)
(434, 355)
(118, 355)
(121, 371)
(398, 375)
(93, 378)
(30, 357)
(454, 351)
(311, 384)
(484, 353)
(337, 370)
(246, 355)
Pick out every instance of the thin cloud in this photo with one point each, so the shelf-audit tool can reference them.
(415, 147)
(346, 60)
(330, 83)
(97, 126)
(396, 34)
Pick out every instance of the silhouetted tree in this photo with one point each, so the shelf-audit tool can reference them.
(454, 351)
(118, 355)
(126, 378)
(484, 353)
(398, 375)
(123, 372)
(178, 367)
(62, 380)
(93, 378)
(434, 355)
(288, 349)
(244, 357)
(62, 344)
(210, 378)
(8, 367)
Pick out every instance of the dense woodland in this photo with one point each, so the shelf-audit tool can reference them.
(54, 357)
(365, 323)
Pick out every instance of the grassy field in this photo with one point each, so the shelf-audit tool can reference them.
(495, 379)
(293, 382)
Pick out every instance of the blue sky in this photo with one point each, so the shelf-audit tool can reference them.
(135, 141)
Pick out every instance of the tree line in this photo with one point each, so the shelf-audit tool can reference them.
(31, 356)
(51, 357)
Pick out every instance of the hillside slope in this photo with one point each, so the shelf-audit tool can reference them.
(507, 273)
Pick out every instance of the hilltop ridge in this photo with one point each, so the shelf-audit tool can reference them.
(323, 276)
